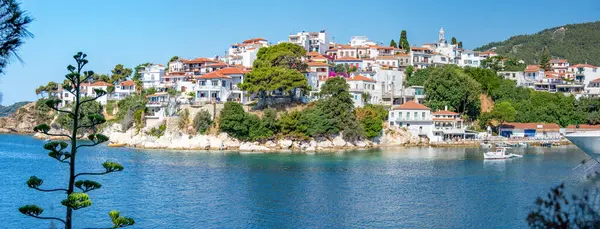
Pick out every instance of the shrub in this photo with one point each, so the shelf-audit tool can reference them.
(158, 132)
(202, 121)
(110, 107)
(184, 119)
(92, 107)
(270, 120)
(138, 118)
(370, 121)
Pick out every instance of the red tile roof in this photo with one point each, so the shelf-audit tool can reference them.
(317, 64)
(532, 68)
(254, 40)
(213, 75)
(127, 83)
(444, 112)
(313, 53)
(199, 61)
(411, 105)
(419, 48)
(537, 126)
(558, 61)
(584, 126)
(583, 66)
(360, 78)
(96, 84)
(232, 71)
(386, 58)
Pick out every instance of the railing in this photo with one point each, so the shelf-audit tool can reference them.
(419, 118)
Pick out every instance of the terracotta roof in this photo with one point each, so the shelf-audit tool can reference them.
(253, 40)
(313, 53)
(487, 53)
(360, 78)
(317, 64)
(559, 61)
(411, 105)
(96, 84)
(596, 80)
(444, 112)
(332, 50)
(213, 75)
(419, 48)
(402, 54)
(445, 119)
(536, 126)
(348, 58)
(127, 83)
(583, 66)
(158, 94)
(318, 57)
(584, 127)
(385, 47)
(532, 68)
(232, 71)
(199, 61)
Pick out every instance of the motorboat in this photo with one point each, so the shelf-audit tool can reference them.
(500, 153)
(588, 142)
(486, 145)
(523, 144)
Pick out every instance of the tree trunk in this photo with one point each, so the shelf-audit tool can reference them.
(69, 219)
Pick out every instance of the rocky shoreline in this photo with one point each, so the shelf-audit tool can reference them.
(177, 140)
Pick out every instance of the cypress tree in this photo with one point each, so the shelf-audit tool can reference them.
(404, 41)
(545, 60)
(393, 44)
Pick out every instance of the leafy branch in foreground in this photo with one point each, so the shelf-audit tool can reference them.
(83, 122)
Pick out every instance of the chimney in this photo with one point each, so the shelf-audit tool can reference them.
(446, 107)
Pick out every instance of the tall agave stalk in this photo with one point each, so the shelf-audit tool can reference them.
(60, 150)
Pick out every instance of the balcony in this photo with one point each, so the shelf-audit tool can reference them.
(156, 104)
(413, 119)
(211, 87)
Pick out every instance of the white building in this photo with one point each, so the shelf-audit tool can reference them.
(176, 66)
(448, 126)
(88, 90)
(359, 41)
(530, 130)
(221, 86)
(245, 53)
(517, 76)
(151, 75)
(157, 108)
(311, 41)
(361, 86)
(416, 118)
(172, 80)
(421, 57)
(470, 58)
(584, 73)
(123, 89)
(413, 93)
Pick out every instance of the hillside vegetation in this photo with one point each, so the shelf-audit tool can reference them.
(579, 43)
(7, 110)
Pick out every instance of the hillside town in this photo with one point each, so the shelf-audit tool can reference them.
(375, 73)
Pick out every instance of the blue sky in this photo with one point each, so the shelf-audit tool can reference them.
(131, 32)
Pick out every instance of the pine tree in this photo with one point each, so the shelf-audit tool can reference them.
(393, 44)
(404, 42)
(454, 42)
(545, 60)
(460, 44)
(60, 151)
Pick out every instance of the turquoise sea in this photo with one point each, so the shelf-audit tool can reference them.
(388, 188)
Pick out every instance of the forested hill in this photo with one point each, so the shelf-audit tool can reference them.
(579, 43)
(7, 110)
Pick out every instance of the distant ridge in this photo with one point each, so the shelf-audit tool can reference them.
(579, 43)
(7, 110)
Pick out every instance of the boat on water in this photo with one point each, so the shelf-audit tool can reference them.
(588, 142)
(500, 153)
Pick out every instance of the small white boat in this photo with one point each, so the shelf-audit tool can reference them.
(523, 144)
(500, 153)
(486, 145)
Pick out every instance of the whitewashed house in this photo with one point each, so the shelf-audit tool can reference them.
(361, 86)
(88, 90)
(416, 118)
(156, 108)
(245, 53)
(448, 125)
(123, 89)
(151, 76)
(530, 130)
(311, 41)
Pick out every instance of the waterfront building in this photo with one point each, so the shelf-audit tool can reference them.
(416, 118)
(156, 108)
(448, 126)
(311, 41)
(221, 86)
(123, 89)
(151, 75)
(530, 130)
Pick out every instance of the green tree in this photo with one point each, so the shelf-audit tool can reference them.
(265, 80)
(504, 112)
(451, 86)
(120, 73)
(418, 78)
(231, 120)
(202, 121)
(286, 55)
(393, 44)
(545, 60)
(14, 22)
(51, 88)
(366, 97)
(487, 78)
(90, 108)
(75, 200)
(403, 43)
(336, 108)
(339, 68)
(174, 58)
(270, 120)
(184, 119)
(101, 77)
(290, 124)
(371, 122)
(453, 41)
(460, 44)
(137, 75)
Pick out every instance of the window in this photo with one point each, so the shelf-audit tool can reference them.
(203, 83)
(423, 115)
(224, 83)
(392, 114)
(407, 115)
(415, 114)
(355, 97)
(594, 69)
(215, 83)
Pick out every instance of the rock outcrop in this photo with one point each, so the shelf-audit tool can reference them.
(179, 140)
(22, 121)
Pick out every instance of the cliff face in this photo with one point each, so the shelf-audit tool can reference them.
(22, 121)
